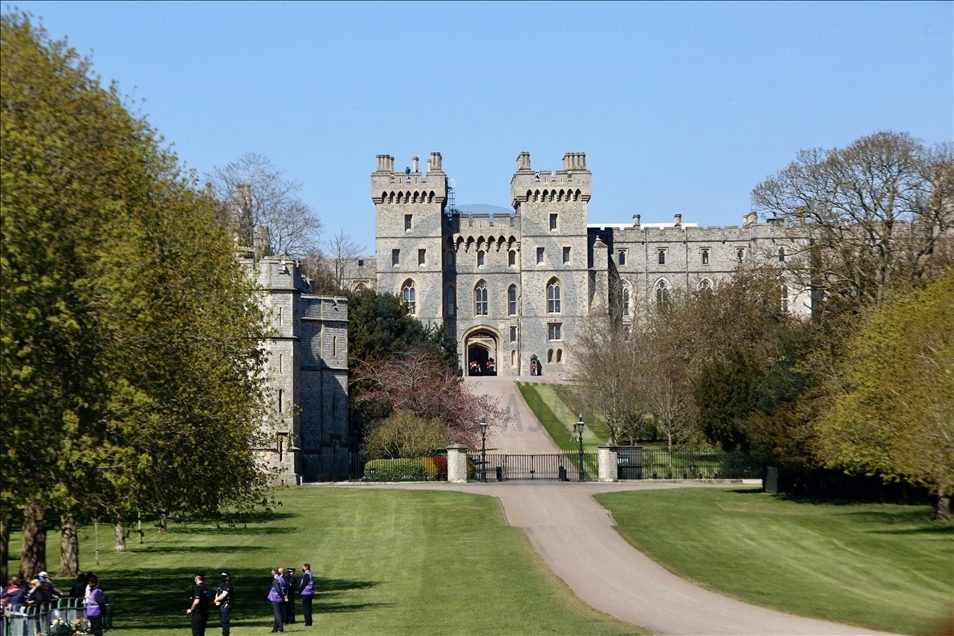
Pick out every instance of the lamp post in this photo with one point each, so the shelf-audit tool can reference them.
(578, 429)
(483, 452)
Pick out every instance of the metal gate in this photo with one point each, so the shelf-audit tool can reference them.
(550, 466)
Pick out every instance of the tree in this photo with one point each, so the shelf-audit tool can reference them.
(420, 383)
(405, 434)
(131, 376)
(894, 413)
(340, 249)
(876, 213)
(263, 207)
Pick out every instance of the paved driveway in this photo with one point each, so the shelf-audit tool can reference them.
(575, 537)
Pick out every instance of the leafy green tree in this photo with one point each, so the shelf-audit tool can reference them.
(130, 367)
(894, 413)
(405, 434)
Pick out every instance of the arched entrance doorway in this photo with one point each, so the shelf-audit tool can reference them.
(481, 348)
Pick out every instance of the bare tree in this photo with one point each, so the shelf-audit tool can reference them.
(338, 250)
(875, 211)
(263, 206)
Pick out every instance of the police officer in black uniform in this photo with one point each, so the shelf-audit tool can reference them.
(290, 601)
(201, 596)
(223, 599)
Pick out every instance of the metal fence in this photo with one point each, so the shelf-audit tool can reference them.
(637, 462)
(64, 616)
(550, 466)
(323, 467)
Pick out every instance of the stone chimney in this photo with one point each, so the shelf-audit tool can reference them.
(636, 221)
(523, 162)
(414, 165)
(750, 219)
(677, 220)
(434, 163)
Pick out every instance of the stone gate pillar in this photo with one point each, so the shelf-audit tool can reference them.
(457, 464)
(608, 462)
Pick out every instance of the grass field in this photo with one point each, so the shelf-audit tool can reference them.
(386, 562)
(884, 567)
(557, 418)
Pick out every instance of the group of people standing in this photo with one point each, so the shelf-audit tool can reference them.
(282, 595)
(42, 593)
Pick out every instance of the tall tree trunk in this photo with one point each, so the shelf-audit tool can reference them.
(33, 557)
(120, 537)
(4, 547)
(69, 548)
(943, 511)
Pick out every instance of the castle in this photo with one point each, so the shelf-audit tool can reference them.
(307, 370)
(513, 288)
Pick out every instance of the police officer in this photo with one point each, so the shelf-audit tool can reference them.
(223, 599)
(290, 598)
(201, 596)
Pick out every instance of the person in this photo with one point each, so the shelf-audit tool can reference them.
(306, 590)
(201, 595)
(79, 588)
(276, 596)
(290, 596)
(95, 606)
(223, 600)
(14, 594)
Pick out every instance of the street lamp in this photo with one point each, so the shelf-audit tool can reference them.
(483, 452)
(578, 429)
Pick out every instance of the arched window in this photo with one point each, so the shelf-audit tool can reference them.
(662, 257)
(511, 258)
(784, 298)
(553, 296)
(625, 299)
(513, 357)
(480, 299)
(662, 294)
(450, 259)
(480, 258)
(559, 355)
(549, 355)
(705, 284)
(451, 302)
(409, 294)
(740, 255)
(512, 301)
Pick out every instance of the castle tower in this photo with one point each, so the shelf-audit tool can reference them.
(409, 246)
(554, 264)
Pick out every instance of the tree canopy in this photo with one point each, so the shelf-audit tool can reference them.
(131, 373)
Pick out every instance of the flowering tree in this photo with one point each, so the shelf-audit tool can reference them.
(417, 381)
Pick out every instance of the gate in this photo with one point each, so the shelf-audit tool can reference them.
(549, 466)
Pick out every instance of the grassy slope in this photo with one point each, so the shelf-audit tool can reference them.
(882, 566)
(557, 418)
(386, 562)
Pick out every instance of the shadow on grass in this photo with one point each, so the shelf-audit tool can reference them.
(754, 490)
(172, 549)
(157, 598)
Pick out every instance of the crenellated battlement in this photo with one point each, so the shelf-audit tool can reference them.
(410, 186)
(572, 183)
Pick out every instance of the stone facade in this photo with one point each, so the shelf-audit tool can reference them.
(514, 287)
(307, 368)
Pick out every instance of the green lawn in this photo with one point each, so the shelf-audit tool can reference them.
(386, 562)
(557, 418)
(884, 567)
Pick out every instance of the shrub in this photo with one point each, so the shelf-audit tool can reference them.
(440, 462)
(403, 469)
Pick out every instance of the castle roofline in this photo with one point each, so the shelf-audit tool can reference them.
(629, 226)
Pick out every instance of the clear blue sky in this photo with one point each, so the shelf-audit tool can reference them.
(680, 108)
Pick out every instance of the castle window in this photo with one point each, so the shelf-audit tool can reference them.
(281, 401)
(705, 284)
(480, 299)
(513, 357)
(360, 262)
(395, 257)
(550, 355)
(511, 258)
(705, 257)
(281, 363)
(740, 255)
(559, 355)
(662, 257)
(451, 301)
(450, 259)
(624, 293)
(553, 221)
(539, 255)
(421, 257)
(781, 255)
(566, 255)
(480, 259)
(784, 299)
(409, 294)
(553, 297)
(512, 301)
(622, 258)
(334, 346)
(513, 334)
(554, 331)
(662, 295)
(407, 222)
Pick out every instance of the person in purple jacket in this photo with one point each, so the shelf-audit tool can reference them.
(276, 596)
(95, 606)
(306, 590)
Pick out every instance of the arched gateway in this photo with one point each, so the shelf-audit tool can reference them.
(482, 352)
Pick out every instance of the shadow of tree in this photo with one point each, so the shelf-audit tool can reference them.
(157, 598)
